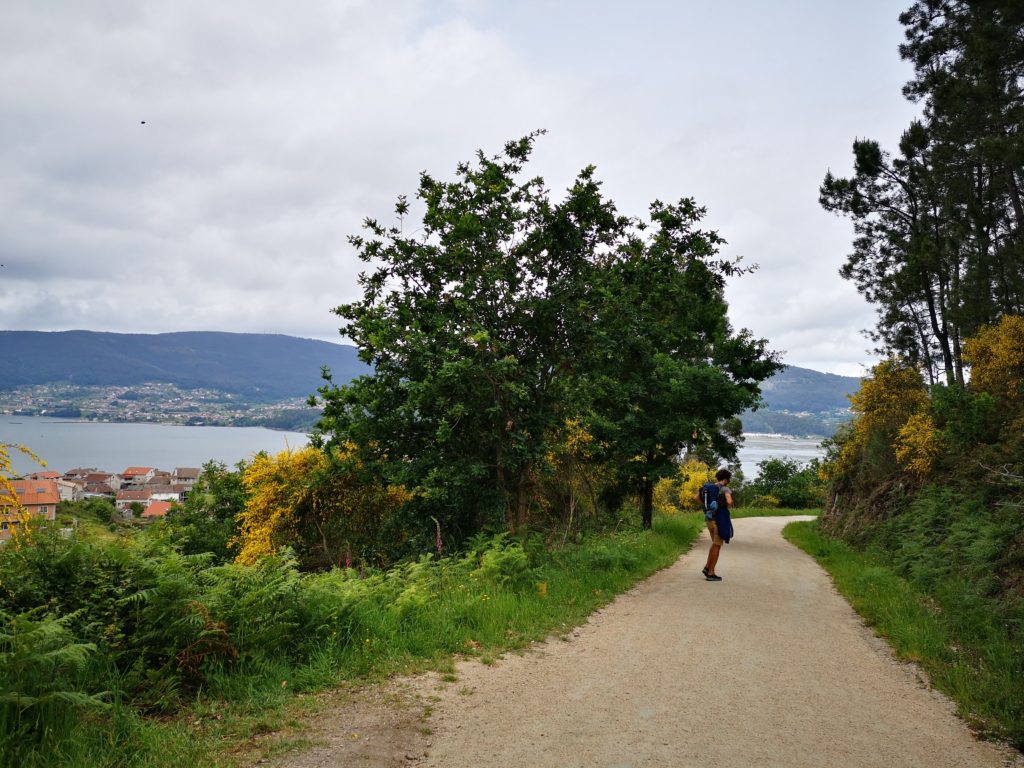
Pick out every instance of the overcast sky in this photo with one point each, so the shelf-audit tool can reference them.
(272, 129)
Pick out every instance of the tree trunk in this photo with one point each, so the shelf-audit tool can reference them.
(940, 332)
(647, 504)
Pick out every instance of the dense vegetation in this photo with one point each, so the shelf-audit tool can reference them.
(98, 636)
(536, 366)
(928, 480)
(940, 224)
(262, 367)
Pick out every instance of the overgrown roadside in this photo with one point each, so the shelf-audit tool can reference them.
(966, 654)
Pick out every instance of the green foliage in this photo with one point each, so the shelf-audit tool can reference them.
(157, 629)
(205, 523)
(934, 604)
(506, 564)
(938, 241)
(965, 417)
(507, 315)
(41, 672)
(787, 483)
(953, 534)
(94, 509)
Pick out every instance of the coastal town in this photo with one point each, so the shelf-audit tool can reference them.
(154, 402)
(145, 493)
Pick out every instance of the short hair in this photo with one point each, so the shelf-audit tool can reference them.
(723, 474)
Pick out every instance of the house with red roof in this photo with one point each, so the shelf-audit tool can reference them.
(44, 476)
(125, 498)
(157, 509)
(36, 497)
(138, 475)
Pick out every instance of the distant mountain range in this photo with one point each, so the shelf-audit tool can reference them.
(260, 367)
(269, 368)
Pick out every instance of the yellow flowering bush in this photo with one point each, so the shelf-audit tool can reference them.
(692, 474)
(883, 405)
(666, 496)
(918, 444)
(572, 478)
(10, 505)
(325, 504)
(996, 356)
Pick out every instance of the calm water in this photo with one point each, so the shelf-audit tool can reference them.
(112, 447)
(757, 448)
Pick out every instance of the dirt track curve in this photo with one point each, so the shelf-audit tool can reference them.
(768, 668)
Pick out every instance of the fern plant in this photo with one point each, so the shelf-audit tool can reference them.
(41, 674)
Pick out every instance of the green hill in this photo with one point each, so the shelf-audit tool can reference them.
(802, 402)
(261, 367)
(273, 367)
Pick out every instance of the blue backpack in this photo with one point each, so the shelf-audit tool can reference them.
(709, 497)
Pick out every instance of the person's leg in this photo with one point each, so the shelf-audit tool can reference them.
(713, 558)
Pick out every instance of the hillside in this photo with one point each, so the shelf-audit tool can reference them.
(270, 368)
(261, 367)
(802, 402)
(802, 390)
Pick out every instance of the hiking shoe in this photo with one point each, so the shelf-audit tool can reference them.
(712, 577)
(704, 570)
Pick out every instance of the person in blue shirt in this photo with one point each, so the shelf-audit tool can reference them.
(719, 522)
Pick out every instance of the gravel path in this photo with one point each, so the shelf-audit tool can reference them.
(768, 668)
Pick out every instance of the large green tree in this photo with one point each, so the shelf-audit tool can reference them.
(504, 314)
(669, 375)
(470, 322)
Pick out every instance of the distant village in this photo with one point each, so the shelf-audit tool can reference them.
(152, 402)
(147, 490)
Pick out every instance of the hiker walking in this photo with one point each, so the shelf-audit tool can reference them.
(716, 498)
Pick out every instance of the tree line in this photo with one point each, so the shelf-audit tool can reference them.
(939, 246)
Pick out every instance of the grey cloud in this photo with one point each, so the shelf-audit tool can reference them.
(272, 130)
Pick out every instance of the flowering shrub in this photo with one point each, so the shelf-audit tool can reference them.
(324, 504)
(918, 444)
(996, 356)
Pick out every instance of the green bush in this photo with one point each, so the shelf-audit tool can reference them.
(787, 482)
(506, 564)
(156, 629)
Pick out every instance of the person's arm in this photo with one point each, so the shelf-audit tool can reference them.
(728, 497)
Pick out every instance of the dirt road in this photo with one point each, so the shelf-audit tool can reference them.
(768, 668)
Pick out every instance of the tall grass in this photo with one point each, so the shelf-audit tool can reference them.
(966, 650)
(152, 657)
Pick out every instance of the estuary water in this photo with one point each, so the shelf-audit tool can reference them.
(757, 448)
(66, 444)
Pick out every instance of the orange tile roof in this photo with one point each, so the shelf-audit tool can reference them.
(158, 509)
(136, 471)
(33, 493)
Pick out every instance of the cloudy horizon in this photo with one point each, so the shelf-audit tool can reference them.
(186, 166)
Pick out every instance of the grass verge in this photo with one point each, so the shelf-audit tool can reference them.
(263, 638)
(965, 654)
